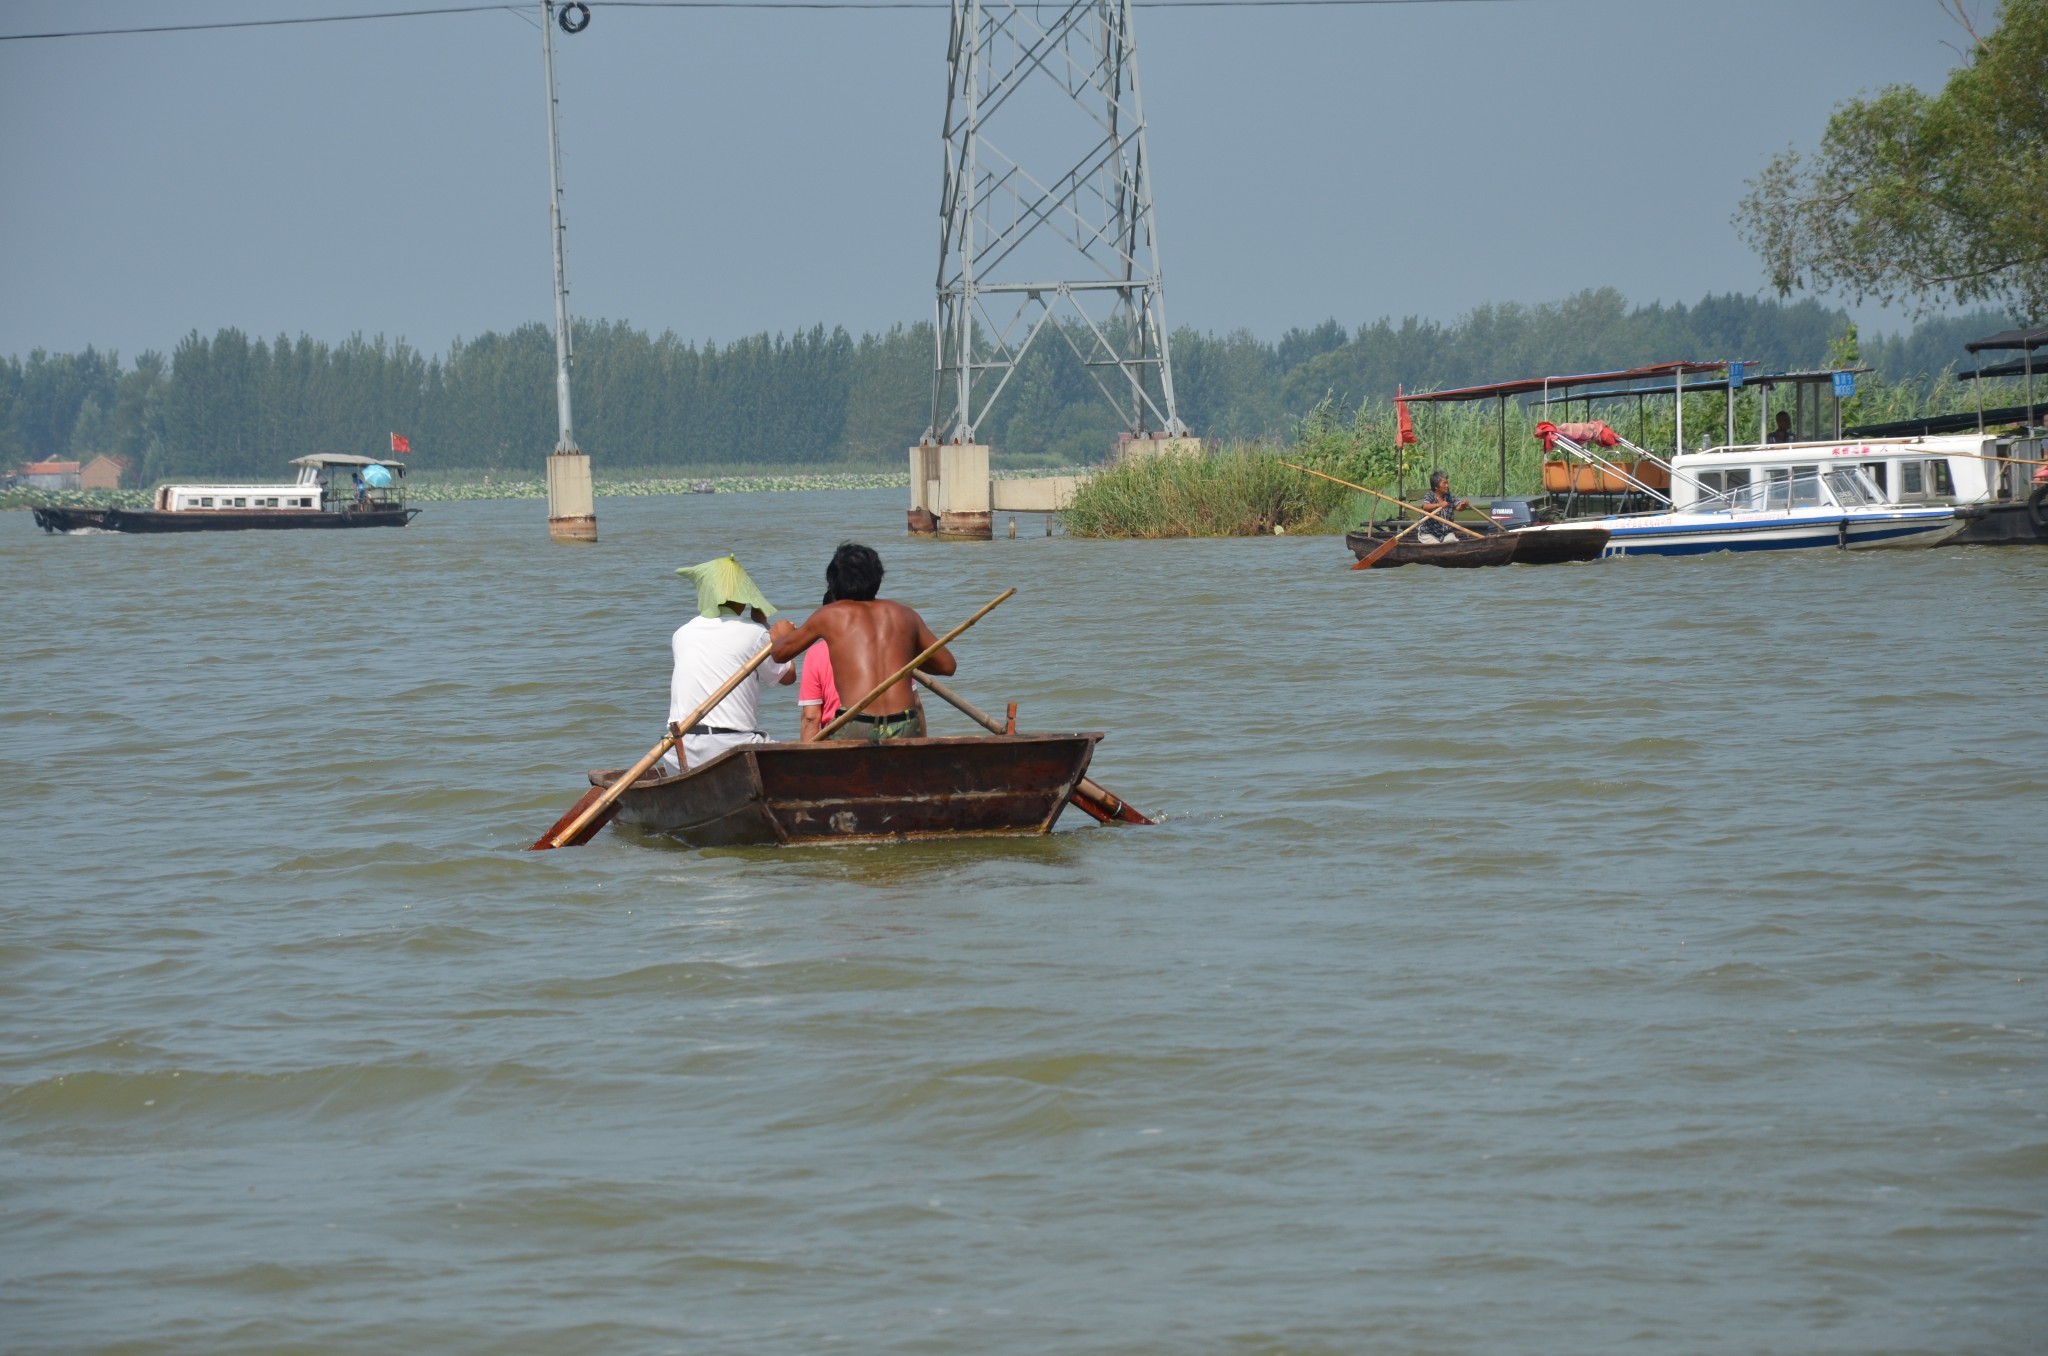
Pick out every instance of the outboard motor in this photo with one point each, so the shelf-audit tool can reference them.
(1511, 513)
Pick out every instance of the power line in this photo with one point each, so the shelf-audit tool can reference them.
(806, 5)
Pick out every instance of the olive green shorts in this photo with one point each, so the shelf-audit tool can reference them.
(902, 725)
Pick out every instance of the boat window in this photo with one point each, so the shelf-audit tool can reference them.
(1911, 478)
(207, 502)
(1850, 489)
(242, 501)
(1723, 490)
(1880, 475)
(1777, 488)
(1938, 481)
(1806, 487)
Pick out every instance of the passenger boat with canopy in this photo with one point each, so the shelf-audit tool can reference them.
(373, 495)
(1823, 487)
(1772, 498)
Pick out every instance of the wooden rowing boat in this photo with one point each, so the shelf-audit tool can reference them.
(1551, 546)
(1459, 553)
(844, 792)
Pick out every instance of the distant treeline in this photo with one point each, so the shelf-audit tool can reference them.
(232, 406)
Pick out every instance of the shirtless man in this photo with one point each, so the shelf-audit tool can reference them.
(870, 639)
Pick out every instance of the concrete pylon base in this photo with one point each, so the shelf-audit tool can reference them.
(967, 527)
(949, 492)
(572, 507)
(1129, 448)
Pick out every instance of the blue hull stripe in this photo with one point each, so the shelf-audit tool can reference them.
(1709, 538)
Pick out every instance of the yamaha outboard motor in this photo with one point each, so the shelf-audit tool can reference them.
(1511, 513)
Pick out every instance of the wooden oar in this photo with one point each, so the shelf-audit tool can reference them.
(1413, 508)
(850, 712)
(1091, 796)
(596, 809)
(1367, 562)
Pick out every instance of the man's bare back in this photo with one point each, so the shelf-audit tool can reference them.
(869, 641)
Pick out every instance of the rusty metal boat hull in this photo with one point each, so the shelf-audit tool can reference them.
(842, 792)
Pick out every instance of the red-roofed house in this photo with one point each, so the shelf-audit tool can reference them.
(50, 475)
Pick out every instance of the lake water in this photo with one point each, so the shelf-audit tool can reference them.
(1647, 955)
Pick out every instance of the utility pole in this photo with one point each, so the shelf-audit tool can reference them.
(572, 509)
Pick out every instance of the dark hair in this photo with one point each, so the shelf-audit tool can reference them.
(855, 573)
(1438, 474)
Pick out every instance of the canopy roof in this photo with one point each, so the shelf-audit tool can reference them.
(2011, 367)
(2010, 339)
(1695, 387)
(1963, 422)
(346, 459)
(1502, 389)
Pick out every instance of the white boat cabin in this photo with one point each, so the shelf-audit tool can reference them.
(182, 498)
(315, 491)
(1960, 469)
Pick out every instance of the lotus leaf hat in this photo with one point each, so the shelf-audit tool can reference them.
(722, 581)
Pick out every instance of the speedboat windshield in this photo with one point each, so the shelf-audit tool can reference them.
(1853, 487)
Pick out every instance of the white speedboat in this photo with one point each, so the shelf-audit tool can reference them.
(1780, 498)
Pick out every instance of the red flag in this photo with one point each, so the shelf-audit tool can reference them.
(1401, 417)
(400, 444)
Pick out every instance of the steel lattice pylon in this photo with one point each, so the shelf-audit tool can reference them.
(1059, 210)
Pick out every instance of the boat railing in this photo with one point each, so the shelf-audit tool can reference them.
(1609, 466)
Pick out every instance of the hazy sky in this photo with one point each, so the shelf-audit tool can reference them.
(734, 172)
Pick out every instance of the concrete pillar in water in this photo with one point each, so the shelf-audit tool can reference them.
(964, 513)
(572, 509)
(949, 491)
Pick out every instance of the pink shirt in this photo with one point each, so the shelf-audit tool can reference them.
(814, 683)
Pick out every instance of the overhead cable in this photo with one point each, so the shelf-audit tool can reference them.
(695, 4)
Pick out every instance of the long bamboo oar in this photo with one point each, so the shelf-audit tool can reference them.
(1367, 562)
(1413, 508)
(596, 809)
(1091, 796)
(850, 712)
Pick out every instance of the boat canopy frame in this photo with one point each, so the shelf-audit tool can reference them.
(1665, 379)
(322, 460)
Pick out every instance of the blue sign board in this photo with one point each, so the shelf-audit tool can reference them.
(1734, 376)
(1845, 385)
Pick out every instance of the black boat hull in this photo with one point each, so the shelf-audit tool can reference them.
(215, 520)
(1552, 546)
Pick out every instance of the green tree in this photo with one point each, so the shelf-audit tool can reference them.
(1921, 198)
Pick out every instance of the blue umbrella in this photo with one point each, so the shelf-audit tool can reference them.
(377, 477)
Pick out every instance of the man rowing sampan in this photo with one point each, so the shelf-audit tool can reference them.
(870, 639)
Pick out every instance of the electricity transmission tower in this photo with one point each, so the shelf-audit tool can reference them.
(1046, 216)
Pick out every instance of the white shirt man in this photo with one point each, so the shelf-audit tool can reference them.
(709, 650)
